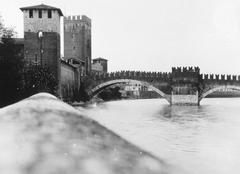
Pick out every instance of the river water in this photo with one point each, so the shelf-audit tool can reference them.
(198, 139)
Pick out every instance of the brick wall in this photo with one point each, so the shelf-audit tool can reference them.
(50, 55)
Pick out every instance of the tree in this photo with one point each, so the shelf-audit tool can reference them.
(6, 32)
(39, 79)
(11, 64)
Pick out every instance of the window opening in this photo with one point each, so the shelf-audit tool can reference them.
(30, 13)
(40, 13)
(49, 13)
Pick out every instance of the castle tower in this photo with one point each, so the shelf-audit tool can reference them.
(42, 36)
(185, 80)
(185, 85)
(77, 41)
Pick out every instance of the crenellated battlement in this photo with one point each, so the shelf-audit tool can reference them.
(190, 69)
(220, 77)
(167, 75)
(134, 75)
(78, 19)
(77, 23)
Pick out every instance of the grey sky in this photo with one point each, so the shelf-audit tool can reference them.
(154, 35)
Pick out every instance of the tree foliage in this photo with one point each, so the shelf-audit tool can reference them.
(6, 32)
(39, 79)
(11, 64)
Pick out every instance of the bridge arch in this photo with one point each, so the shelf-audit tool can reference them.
(96, 90)
(223, 87)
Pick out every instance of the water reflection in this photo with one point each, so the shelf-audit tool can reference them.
(185, 114)
(199, 139)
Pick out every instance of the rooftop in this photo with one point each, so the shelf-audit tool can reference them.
(42, 7)
(99, 58)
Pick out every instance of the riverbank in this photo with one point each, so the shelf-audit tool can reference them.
(42, 134)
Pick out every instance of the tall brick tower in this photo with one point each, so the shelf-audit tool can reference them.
(185, 85)
(42, 36)
(77, 41)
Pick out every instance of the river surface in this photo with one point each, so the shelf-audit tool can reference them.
(199, 139)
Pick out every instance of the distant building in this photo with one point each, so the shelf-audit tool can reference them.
(100, 65)
(137, 91)
(77, 42)
(131, 90)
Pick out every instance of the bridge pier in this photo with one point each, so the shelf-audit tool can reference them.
(184, 99)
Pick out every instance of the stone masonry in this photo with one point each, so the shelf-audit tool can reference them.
(77, 41)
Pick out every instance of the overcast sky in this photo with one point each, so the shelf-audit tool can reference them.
(153, 35)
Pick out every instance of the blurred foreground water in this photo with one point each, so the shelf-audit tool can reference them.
(198, 139)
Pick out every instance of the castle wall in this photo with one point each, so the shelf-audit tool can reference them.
(36, 24)
(70, 81)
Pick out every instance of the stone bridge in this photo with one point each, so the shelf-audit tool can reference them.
(184, 85)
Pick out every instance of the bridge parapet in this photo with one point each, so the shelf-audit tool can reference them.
(220, 78)
(178, 72)
(147, 76)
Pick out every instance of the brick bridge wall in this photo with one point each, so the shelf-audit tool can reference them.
(159, 80)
